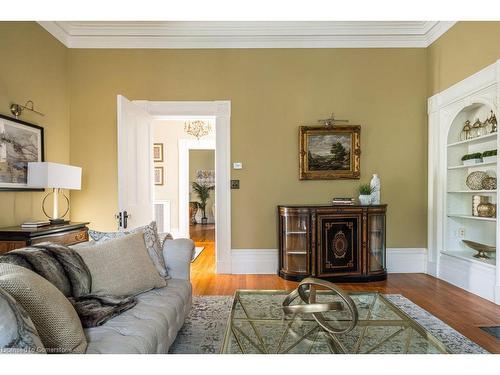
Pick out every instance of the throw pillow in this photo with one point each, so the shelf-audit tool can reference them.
(121, 267)
(17, 332)
(54, 317)
(151, 238)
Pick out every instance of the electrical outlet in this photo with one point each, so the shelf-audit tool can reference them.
(235, 184)
(461, 233)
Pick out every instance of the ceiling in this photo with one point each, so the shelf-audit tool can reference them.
(258, 34)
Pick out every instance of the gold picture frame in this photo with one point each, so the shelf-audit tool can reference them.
(159, 176)
(329, 152)
(158, 152)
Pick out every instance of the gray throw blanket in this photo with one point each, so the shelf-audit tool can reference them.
(66, 269)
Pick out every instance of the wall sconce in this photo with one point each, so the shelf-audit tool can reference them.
(17, 109)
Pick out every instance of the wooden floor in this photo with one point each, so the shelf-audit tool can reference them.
(463, 311)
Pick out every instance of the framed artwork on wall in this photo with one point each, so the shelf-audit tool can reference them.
(329, 152)
(20, 143)
(158, 152)
(159, 177)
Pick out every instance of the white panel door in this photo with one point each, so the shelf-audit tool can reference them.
(135, 165)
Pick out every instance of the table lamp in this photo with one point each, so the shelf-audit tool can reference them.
(56, 177)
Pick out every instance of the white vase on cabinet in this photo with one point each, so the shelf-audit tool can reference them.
(375, 186)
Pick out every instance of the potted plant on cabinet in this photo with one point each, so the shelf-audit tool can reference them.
(365, 192)
(203, 192)
(471, 159)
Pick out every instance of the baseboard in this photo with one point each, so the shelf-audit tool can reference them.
(406, 260)
(265, 261)
(254, 261)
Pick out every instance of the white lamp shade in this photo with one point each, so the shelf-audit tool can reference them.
(54, 175)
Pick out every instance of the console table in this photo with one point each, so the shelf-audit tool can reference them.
(12, 238)
(337, 243)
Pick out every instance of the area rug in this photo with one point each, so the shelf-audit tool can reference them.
(197, 252)
(203, 331)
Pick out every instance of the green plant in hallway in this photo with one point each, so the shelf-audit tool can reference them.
(203, 192)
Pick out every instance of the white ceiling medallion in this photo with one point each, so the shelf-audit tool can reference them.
(301, 34)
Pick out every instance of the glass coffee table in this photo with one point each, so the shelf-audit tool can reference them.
(257, 324)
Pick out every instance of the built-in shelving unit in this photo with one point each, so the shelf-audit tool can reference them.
(451, 218)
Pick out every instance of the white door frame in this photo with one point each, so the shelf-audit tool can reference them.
(221, 111)
(185, 145)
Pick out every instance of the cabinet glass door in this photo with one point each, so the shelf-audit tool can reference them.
(295, 243)
(376, 243)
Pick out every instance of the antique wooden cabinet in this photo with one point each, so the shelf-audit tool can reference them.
(12, 238)
(338, 243)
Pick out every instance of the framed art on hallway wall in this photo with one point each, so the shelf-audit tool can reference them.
(20, 143)
(329, 152)
(159, 176)
(158, 152)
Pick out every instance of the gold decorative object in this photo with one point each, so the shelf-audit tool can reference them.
(489, 183)
(476, 129)
(492, 123)
(476, 201)
(475, 180)
(306, 290)
(487, 210)
(197, 128)
(479, 128)
(482, 249)
(465, 134)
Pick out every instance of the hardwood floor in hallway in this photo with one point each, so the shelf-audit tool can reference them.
(463, 311)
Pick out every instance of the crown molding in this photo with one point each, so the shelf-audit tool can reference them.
(315, 34)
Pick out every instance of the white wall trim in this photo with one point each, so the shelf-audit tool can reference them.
(221, 111)
(265, 261)
(184, 146)
(254, 34)
(406, 260)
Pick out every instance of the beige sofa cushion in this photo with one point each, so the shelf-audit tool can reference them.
(121, 267)
(54, 317)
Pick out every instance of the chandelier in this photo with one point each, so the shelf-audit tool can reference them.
(197, 128)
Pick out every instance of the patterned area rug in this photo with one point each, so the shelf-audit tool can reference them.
(203, 332)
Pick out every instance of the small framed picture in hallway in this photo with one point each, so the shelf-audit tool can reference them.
(158, 152)
(159, 176)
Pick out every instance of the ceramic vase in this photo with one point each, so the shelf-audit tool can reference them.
(375, 185)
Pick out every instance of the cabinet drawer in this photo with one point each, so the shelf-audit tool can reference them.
(65, 238)
(6, 246)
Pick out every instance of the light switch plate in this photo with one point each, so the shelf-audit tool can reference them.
(238, 165)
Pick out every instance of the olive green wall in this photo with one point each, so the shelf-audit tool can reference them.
(33, 66)
(272, 92)
(462, 51)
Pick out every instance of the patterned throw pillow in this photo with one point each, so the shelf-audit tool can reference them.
(54, 317)
(17, 332)
(151, 238)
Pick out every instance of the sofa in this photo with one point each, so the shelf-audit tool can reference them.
(149, 327)
(152, 325)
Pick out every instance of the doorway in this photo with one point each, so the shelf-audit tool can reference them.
(133, 126)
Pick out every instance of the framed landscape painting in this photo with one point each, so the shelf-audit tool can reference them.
(329, 153)
(20, 143)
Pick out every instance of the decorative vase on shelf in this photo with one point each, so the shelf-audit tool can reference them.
(375, 186)
(364, 200)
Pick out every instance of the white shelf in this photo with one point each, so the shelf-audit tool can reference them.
(470, 217)
(472, 191)
(487, 137)
(469, 256)
(472, 166)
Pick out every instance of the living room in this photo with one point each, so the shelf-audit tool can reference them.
(340, 172)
